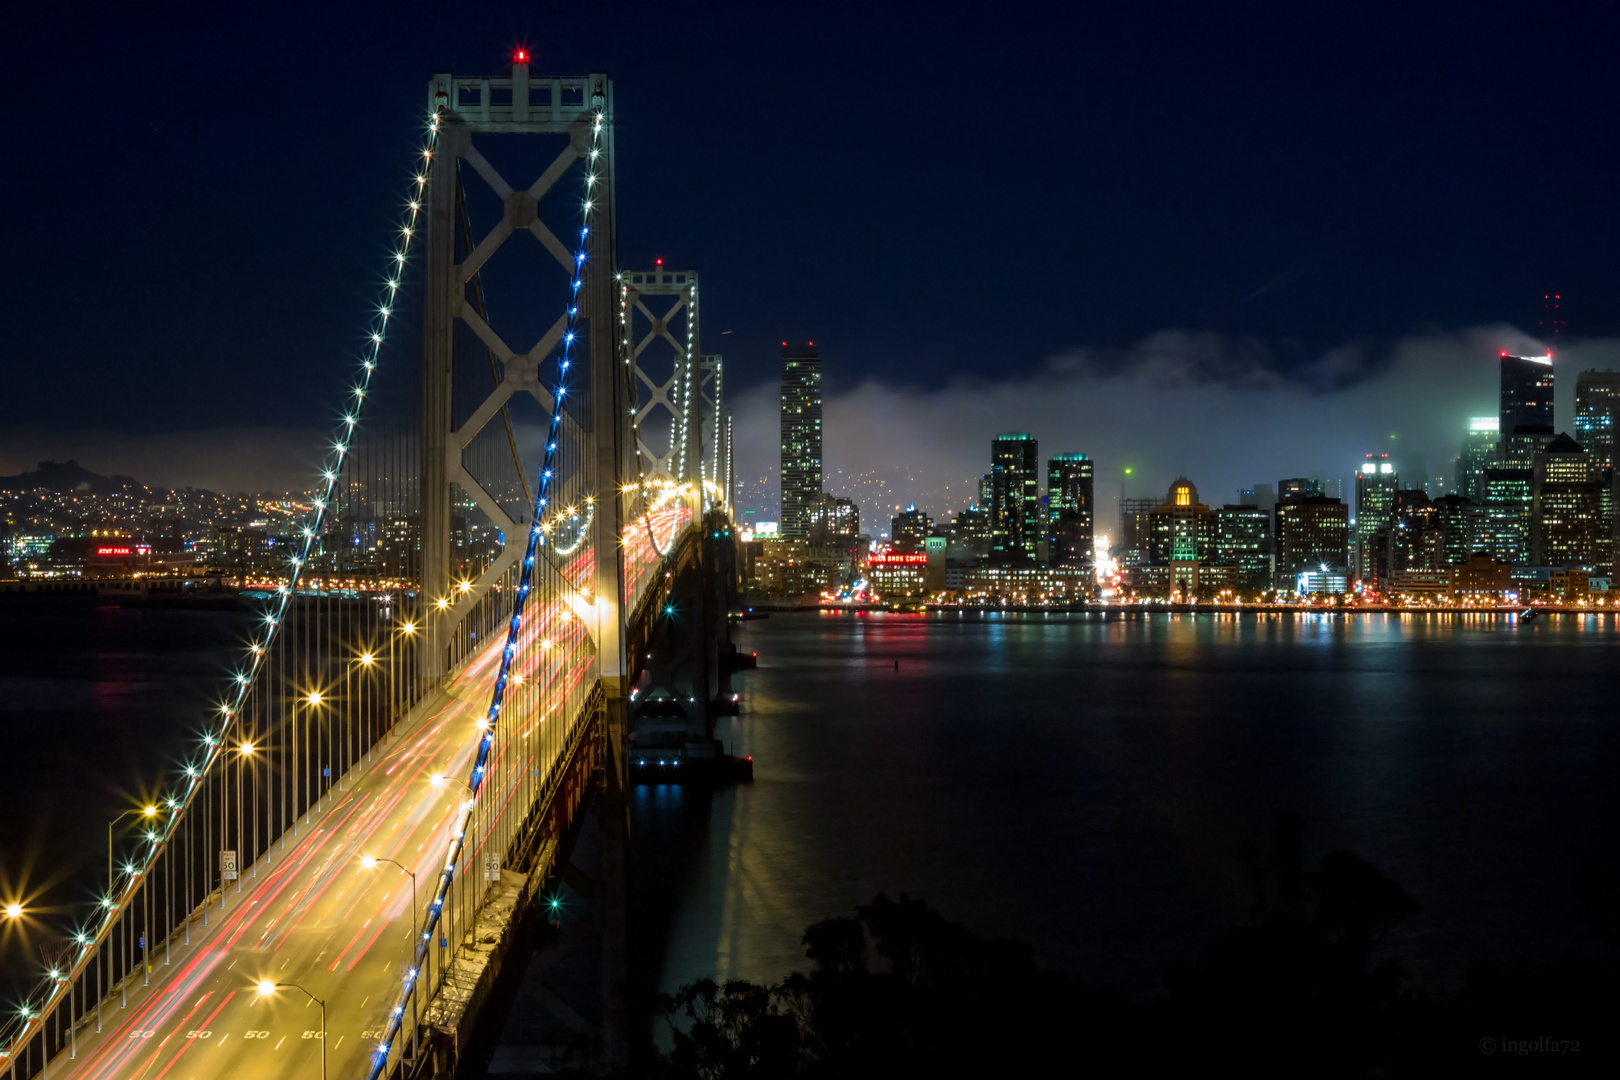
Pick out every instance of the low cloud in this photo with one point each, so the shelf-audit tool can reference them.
(218, 459)
(1219, 411)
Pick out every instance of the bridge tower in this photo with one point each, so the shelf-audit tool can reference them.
(473, 110)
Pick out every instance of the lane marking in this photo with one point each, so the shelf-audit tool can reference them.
(189, 1042)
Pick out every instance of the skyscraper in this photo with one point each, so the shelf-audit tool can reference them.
(1135, 530)
(801, 437)
(1597, 400)
(909, 529)
(1313, 531)
(1015, 496)
(1510, 496)
(1569, 528)
(1376, 482)
(1526, 410)
(1478, 451)
(1070, 520)
(1243, 541)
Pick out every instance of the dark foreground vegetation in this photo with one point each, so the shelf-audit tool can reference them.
(897, 990)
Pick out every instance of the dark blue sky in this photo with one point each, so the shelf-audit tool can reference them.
(198, 203)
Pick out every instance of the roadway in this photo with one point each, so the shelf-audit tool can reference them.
(310, 914)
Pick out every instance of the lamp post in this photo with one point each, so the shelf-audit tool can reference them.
(149, 811)
(244, 754)
(268, 988)
(370, 863)
(397, 687)
(313, 700)
(367, 660)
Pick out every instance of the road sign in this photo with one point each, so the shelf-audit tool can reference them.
(492, 867)
(227, 865)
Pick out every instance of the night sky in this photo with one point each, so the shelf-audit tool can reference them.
(1120, 200)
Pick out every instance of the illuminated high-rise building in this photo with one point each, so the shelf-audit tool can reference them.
(1135, 530)
(1070, 514)
(1376, 483)
(801, 437)
(1182, 528)
(833, 519)
(1015, 496)
(1510, 495)
(1478, 452)
(1597, 401)
(1569, 526)
(1243, 542)
(1313, 532)
(1525, 416)
(909, 529)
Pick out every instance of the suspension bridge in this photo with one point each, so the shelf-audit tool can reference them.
(510, 588)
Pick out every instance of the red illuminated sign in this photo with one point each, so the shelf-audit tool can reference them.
(900, 560)
(106, 551)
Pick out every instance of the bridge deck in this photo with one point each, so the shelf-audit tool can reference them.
(309, 914)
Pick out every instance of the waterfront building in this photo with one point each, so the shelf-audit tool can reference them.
(1419, 585)
(898, 575)
(909, 529)
(1015, 497)
(1025, 584)
(794, 569)
(1569, 584)
(1481, 579)
(1568, 523)
(1070, 518)
(801, 437)
(1243, 542)
(1312, 534)
(1597, 400)
(1331, 580)
(1376, 483)
(1478, 453)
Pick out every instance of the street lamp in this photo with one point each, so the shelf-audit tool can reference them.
(148, 812)
(14, 910)
(267, 988)
(370, 863)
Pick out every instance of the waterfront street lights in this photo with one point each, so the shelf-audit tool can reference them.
(268, 988)
(370, 863)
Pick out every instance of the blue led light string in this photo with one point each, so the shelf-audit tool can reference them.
(458, 837)
(214, 742)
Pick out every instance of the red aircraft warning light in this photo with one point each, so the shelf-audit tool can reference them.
(521, 56)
